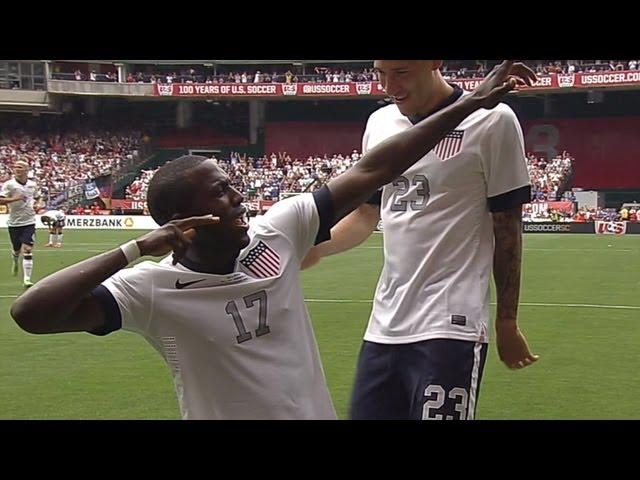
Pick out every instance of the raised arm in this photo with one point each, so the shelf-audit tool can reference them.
(62, 302)
(391, 158)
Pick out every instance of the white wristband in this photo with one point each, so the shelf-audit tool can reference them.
(131, 251)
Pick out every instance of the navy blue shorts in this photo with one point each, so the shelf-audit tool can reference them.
(436, 379)
(20, 235)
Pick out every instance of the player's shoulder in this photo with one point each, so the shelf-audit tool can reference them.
(502, 110)
(289, 207)
(8, 186)
(148, 269)
(489, 120)
(288, 219)
(388, 112)
(499, 114)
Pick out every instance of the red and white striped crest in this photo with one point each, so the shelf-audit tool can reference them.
(449, 145)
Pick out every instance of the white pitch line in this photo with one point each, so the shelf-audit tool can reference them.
(579, 305)
(62, 250)
(548, 249)
(524, 304)
(74, 244)
(581, 249)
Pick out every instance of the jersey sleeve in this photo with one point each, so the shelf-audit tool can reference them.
(504, 163)
(5, 191)
(126, 300)
(365, 137)
(305, 219)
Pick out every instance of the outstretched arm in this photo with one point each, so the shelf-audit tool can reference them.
(62, 302)
(388, 160)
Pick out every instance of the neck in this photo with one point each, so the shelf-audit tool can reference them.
(441, 91)
(210, 259)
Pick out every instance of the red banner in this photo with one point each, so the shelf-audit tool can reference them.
(539, 207)
(605, 79)
(544, 82)
(267, 89)
(266, 205)
(554, 81)
(260, 206)
(128, 204)
(575, 80)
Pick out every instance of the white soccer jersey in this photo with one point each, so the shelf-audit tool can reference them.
(55, 215)
(438, 230)
(239, 346)
(21, 213)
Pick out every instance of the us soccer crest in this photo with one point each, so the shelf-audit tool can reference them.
(450, 145)
(363, 88)
(165, 89)
(289, 88)
(566, 80)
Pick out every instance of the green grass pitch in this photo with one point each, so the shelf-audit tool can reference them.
(580, 310)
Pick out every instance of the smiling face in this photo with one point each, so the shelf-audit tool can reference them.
(192, 186)
(410, 83)
(212, 194)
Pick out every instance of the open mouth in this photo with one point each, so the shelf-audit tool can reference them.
(242, 220)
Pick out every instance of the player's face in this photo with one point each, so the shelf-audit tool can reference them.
(408, 82)
(20, 170)
(212, 194)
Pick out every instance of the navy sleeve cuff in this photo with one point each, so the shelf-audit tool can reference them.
(113, 319)
(509, 200)
(375, 199)
(326, 212)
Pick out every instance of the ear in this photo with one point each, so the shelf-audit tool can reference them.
(436, 64)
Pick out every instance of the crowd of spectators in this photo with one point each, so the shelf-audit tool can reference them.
(549, 178)
(245, 75)
(455, 69)
(264, 178)
(478, 69)
(60, 161)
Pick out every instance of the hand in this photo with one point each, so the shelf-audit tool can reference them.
(513, 349)
(502, 79)
(175, 235)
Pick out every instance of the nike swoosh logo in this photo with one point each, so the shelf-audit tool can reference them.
(180, 286)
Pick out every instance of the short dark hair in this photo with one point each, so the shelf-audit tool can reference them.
(170, 189)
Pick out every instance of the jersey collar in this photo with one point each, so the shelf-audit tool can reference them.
(215, 279)
(455, 95)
